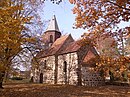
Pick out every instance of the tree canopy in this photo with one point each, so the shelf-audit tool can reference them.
(100, 14)
(12, 23)
(102, 19)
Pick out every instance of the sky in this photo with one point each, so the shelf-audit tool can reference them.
(64, 16)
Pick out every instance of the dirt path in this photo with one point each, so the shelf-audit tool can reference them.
(41, 90)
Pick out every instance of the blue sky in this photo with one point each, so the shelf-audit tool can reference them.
(64, 16)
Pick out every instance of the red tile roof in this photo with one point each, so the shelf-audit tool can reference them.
(41, 53)
(71, 47)
(91, 58)
(54, 48)
(60, 41)
(59, 47)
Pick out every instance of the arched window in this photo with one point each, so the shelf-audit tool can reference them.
(65, 66)
(65, 72)
(45, 65)
(51, 39)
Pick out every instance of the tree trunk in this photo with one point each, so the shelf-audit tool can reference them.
(1, 78)
(111, 76)
(1, 85)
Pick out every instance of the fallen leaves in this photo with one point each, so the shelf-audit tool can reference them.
(45, 90)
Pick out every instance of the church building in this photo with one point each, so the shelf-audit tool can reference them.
(64, 60)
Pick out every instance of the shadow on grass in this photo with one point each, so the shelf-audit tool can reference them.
(45, 90)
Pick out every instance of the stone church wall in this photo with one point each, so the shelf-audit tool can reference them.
(35, 74)
(91, 77)
(72, 65)
(48, 69)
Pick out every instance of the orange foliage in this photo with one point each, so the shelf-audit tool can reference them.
(100, 12)
(100, 17)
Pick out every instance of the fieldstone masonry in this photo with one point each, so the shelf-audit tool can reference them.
(91, 78)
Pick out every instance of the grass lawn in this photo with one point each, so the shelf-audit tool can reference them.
(44, 90)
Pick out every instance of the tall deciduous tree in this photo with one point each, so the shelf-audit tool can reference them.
(12, 23)
(102, 17)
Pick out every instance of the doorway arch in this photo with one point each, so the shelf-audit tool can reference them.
(65, 71)
(41, 78)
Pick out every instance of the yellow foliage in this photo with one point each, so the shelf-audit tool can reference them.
(12, 23)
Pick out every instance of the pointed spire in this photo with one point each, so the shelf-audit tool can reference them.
(53, 26)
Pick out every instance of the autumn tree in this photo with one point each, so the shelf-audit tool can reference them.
(19, 21)
(102, 17)
(12, 23)
(103, 13)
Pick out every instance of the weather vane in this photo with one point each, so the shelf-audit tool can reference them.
(53, 12)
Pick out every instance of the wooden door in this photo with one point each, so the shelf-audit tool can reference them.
(41, 78)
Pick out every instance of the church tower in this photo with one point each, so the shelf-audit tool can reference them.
(52, 32)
